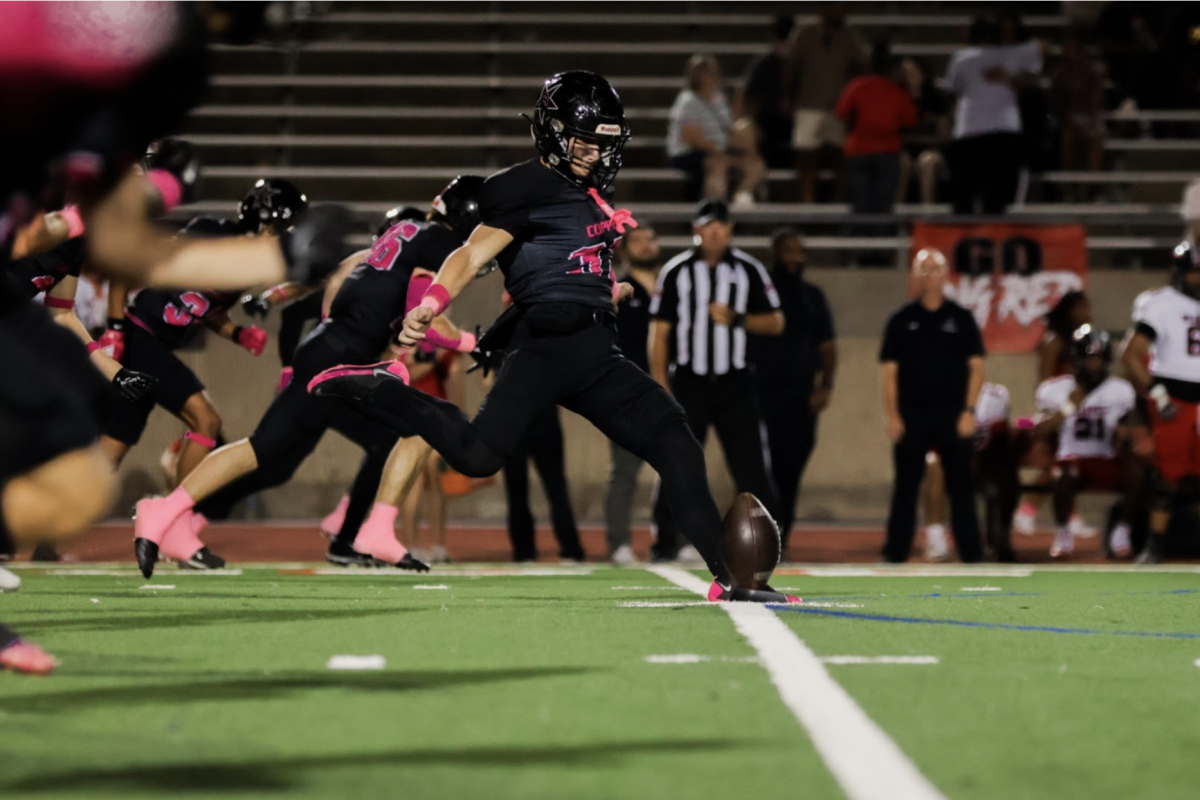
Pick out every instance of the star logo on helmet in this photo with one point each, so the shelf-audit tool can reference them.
(547, 98)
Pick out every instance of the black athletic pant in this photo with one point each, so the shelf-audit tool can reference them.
(544, 445)
(927, 430)
(291, 324)
(294, 423)
(566, 353)
(987, 168)
(791, 436)
(729, 403)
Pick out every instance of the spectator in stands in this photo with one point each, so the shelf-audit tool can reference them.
(986, 157)
(875, 109)
(1032, 103)
(1077, 102)
(1189, 209)
(705, 141)
(795, 372)
(822, 59)
(926, 140)
(761, 97)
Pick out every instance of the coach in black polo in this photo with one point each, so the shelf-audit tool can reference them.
(706, 301)
(932, 357)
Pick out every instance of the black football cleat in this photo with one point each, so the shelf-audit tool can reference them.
(147, 556)
(1153, 554)
(723, 593)
(346, 556)
(203, 559)
(357, 383)
(408, 562)
(45, 551)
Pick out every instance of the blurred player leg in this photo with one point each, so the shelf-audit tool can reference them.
(933, 508)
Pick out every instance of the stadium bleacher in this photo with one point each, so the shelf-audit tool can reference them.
(376, 104)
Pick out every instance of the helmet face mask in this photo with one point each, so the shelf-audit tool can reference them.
(1091, 356)
(580, 107)
(394, 216)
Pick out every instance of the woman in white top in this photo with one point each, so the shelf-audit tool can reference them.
(704, 140)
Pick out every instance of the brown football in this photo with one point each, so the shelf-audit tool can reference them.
(751, 542)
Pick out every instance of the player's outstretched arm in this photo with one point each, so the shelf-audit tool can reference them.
(458, 270)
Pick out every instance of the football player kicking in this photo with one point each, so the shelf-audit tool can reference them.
(1091, 412)
(358, 329)
(549, 222)
(1163, 359)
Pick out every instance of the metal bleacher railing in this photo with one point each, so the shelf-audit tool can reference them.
(374, 132)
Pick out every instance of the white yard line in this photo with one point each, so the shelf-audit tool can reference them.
(866, 763)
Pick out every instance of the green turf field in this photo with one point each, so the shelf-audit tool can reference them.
(1035, 684)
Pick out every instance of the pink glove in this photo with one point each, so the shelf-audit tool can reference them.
(285, 378)
(252, 338)
(112, 343)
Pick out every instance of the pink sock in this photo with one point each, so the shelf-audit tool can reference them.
(182, 540)
(1027, 510)
(155, 516)
(333, 522)
(377, 537)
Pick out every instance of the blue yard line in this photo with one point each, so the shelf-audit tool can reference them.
(963, 623)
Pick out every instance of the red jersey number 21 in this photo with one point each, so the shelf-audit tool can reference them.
(383, 255)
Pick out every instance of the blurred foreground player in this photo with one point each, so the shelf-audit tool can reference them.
(358, 330)
(549, 223)
(1163, 360)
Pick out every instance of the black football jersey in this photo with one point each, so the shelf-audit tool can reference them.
(563, 241)
(376, 292)
(173, 316)
(42, 273)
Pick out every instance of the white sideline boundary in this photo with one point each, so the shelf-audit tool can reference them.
(864, 761)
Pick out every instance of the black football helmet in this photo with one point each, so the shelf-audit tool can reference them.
(272, 205)
(580, 105)
(1088, 341)
(1185, 259)
(397, 215)
(178, 157)
(458, 204)
(210, 228)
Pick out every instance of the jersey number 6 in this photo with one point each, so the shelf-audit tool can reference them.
(383, 255)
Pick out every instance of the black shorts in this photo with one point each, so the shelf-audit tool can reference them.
(176, 384)
(52, 398)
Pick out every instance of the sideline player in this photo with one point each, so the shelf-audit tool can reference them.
(357, 331)
(1163, 360)
(549, 223)
(1090, 412)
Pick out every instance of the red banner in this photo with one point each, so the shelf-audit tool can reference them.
(1009, 276)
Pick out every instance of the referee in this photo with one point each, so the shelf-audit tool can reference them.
(707, 300)
(932, 368)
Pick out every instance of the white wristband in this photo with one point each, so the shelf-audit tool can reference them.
(1158, 393)
(1067, 409)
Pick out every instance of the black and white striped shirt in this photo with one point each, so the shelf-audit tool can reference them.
(686, 286)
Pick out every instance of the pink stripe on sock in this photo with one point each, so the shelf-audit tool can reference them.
(200, 439)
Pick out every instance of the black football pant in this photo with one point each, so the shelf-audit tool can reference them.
(544, 446)
(291, 324)
(791, 436)
(728, 403)
(566, 354)
(925, 431)
(294, 423)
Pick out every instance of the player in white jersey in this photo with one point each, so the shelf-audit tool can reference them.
(992, 410)
(1163, 359)
(1090, 411)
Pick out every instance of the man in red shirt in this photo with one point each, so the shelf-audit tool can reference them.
(875, 108)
